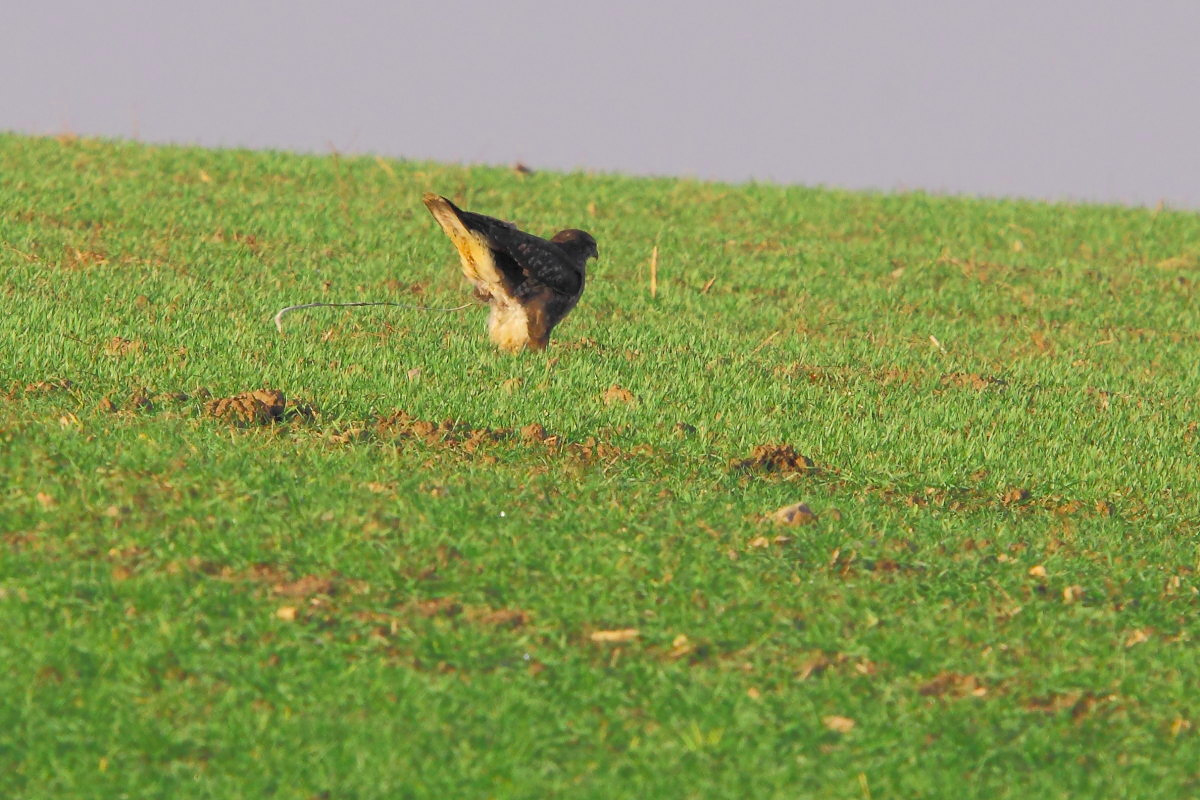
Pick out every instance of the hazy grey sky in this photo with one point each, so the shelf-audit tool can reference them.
(1080, 99)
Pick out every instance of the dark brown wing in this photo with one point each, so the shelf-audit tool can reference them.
(543, 261)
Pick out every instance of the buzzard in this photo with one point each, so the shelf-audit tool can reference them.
(530, 283)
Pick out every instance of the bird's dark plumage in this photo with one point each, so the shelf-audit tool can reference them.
(531, 283)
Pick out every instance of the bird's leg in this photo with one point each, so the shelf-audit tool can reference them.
(538, 326)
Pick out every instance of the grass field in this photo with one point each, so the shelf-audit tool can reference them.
(397, 585)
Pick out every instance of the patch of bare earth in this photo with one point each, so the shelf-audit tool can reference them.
(953, 685)
(972, 380)
(779, 459)
(385, 624)
(618, 395)
(1077, 704)
(971, 498)
(16, 390)
(841, 376)
(586, 343)
(591, 449)
(816, 663)
(140, 399)
(465, 438)
(257, 407)
(120, 346)
(48, 386)
(451, 433)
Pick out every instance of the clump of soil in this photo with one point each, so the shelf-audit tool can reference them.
(1015, 496)
(534, 432)
(258, 407)
(140, 400)
(777, 458)
(795, 514)
(618, 394)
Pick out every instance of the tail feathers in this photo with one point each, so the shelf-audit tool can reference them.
(478, 263)
(436, 201)
(448, 215)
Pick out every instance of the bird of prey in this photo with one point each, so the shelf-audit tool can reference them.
(530, 283)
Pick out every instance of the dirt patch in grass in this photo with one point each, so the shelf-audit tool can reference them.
(970, 498)
(258, 407)
(384, 624)
(782, 459)
(304, 586)
(842, 376)
(438, 607)
(507, 618)
(533, 433)
(818, 662)
(48, 386)
(16, 390)
(585, 343)
(592, 449)
(953, 685)
(471, 440)
(452, 433)
(336, 604)
(972, 380)
(451, 608)
(332, 601)
(1077, 704)
(616, 394)
(278, 580)
(141, 399)
(120, 346)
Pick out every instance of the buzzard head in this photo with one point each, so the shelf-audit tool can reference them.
(578, 245)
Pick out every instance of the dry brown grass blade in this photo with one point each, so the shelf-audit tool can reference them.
(654, 272)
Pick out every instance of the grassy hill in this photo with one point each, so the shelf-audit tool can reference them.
(423, 568)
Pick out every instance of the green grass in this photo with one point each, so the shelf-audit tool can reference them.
(324, 607)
